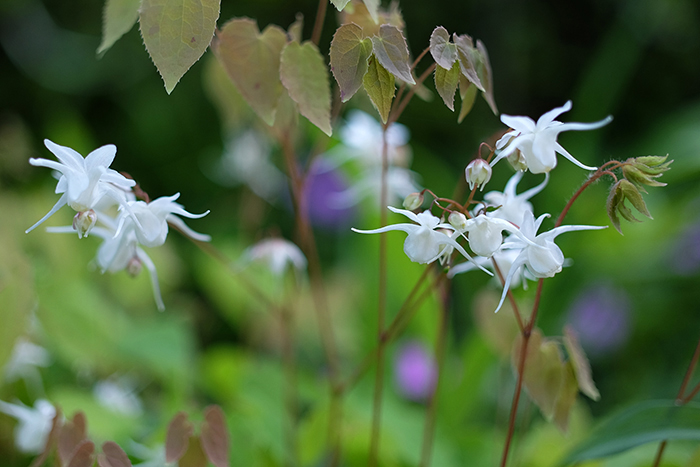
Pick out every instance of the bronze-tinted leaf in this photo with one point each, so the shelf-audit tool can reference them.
(443, 51)
(305, 75)
(391, 51)
(498, 329)
(373, 9)
(580, 364)
(176, 34)
(350, 51)
(252, 61)
(84, 455)
(51, 440)
(468, 58)
(113, 456)
(446, 82)
(71, 435)
(566, 398)
(340, 4)
(467, 92)
(194, 457)
(379, 84)
(215, 437)
(486, 76)
(178, 437)
(118, 17)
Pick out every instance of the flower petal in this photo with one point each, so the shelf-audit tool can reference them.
(547, 118)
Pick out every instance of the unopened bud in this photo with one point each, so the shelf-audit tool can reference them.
(478, 173)
(458, 220)
(517, 161)
(413, 201)
(134, 266)
(84, 221)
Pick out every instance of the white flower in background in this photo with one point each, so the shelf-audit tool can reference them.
(152, 457)
(277, 254)
(542, 257)
(538, 141)
(83, 181)
(512, 206)
(362, 140)
(34, 424)
(118, 395)
(424, 243)
(26, 357)
(400, 183)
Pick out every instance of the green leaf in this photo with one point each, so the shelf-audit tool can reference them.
(646, 422)
(579, 362)
(392, 52)
(379, 84)
(340, 4)
(446, 82)
(614, 199)
(467, 91)
(443, 51)
(305, 75)
(252, 61)
(296, 29)
(349, 54)
(468, 58)
(486, 76)
(373, 9)
(566, 398)
(176, 34)
(118, 17)
(631, 193)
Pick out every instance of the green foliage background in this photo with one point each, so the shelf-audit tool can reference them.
(636, 60)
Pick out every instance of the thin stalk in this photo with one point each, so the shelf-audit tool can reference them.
(318, 23)
(440, 350)
(381, 311)
(402, 106)
(680, 399)
(290, 376)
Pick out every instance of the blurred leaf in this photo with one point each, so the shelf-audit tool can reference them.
(443, 51)
(467, 91)
(118, 17)
(499, 330)
(252, 61)
(194, 457)
(340, 4)
(379, 84)
(84, 455)
(296, 29)
(373, 9)
(349, 54)
(113, 456)
(71, 435)
(566, 398)
(486, 76)
(51, 439)
(446, 82)
(581, 366)
(468, 58)
(304, 74)
(176, 34)
(645, 422)
(178, 437)
(215, 437)
(391, 51)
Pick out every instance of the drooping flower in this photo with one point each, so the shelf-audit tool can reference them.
(542, 257)
(478, 173)
(426, 240)
(83, 181)
(538, 141)
(34, 424)
(512, 206)
(278, 254)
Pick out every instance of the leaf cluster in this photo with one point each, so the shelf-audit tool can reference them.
(638, 172)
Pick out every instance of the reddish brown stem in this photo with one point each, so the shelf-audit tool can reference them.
(318, 23)
(395, 115)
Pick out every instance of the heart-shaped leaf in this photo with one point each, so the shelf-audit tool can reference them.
(443, 51)
(113, 456)
(214, 437)
(350, 51)
(178, 437)
(446, 82)
(379, 84)
(486, 76)
(468, 58)
(391, 51)
(118, 17)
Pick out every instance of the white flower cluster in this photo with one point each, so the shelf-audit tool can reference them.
(92, 189)
(503, 228)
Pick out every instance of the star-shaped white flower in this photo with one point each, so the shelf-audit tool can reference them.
(538, 141)
(424, 244)
(34, 424)
(512, 206)
(542, 257)
(83, 181)
(486, 234)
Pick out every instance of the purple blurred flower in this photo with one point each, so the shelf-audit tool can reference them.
(415, 371)
(601, 317)
(686, 251)
(323, 184)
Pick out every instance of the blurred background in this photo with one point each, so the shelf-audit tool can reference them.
(632, 299)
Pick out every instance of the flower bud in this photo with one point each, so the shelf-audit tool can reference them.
(517, 161)
(478, 173)
(413, 201)
(458, 220)
(134, 266)
(84, 221)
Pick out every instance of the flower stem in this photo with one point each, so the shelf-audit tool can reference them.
(318, 23)
(402, 106)
(440, 350)
(381, 311)
(290, 376)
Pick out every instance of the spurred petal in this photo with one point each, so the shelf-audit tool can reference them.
(66, 155)
(548, 117)
(566, 154)
(102, 156)
(521, 124)
(59, 204)
(146, 260)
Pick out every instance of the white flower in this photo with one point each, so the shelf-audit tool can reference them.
(504, 259)
(362, 137)
(400, 183)
(151, 220)
(26, 357)
(478, 173)
(424, 243)
(83, 181)
(538, 141)
(512, 206)
(117, 394)
(486, 234)
(34, 424)
(542, 257)
(277, 254)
